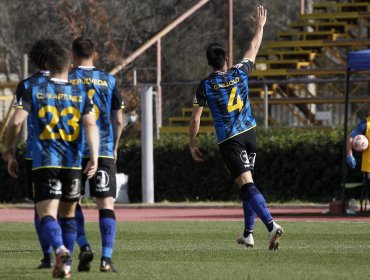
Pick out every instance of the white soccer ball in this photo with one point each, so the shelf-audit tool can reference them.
(360, 143)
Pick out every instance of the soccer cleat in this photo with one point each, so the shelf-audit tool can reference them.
(247, 241)
(106, 265)
(61, 258)
(45, 264)
(85, 257)
(274, 236)
(67, 271)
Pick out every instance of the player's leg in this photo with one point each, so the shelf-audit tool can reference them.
(103, 188)
(46, 261)
(86, 255)
(237, 155)
(249, 216)
(48, 191)
(71, 180)
(234, 156)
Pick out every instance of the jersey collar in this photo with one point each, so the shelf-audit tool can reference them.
(86, 67)
(220, 72)
(57, 80)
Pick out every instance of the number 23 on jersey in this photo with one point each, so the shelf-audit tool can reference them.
(51, 132)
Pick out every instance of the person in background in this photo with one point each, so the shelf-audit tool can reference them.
(108, 104)
(363, 128)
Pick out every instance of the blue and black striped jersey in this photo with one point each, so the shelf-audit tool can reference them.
(226, 94)
(360, 129)
(102, 89)
(23, 86)
(56, 108)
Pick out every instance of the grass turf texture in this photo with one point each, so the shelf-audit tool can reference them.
(204, 250)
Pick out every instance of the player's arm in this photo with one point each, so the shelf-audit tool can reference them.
(20, 91)
(349, 145)
(193, 132)
(13, 131)
(198, 104)
(117, 118)
(92, 137)
(118, 127)
(259, 21)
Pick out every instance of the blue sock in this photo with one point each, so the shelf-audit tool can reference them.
(249, 216)
(45, 246)
(257, 202)
(69, 233)
(107, 224)
(51, 231)
(80, 222)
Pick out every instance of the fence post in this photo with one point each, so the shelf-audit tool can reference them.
(147, 161)
(158, 100)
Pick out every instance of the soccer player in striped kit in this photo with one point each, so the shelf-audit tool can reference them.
(37, 56)
(226, 93)
(58, 111)
(102, 89)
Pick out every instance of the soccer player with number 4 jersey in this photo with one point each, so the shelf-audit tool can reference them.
(226, 93)
(58, 111)
(102, 89)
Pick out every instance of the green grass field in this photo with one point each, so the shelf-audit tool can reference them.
(205, 250)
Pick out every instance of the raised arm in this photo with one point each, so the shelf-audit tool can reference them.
(259, 21)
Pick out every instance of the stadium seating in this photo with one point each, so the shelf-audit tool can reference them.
(314, 46)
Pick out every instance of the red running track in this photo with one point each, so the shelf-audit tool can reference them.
(193, 214)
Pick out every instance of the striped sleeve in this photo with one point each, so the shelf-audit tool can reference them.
(246, 65)
(200, 96)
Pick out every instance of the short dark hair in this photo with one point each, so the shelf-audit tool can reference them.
(83, 47)
(216, 55)
(39, 52)
(58, 59)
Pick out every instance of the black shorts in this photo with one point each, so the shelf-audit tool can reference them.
(239, 153)
(103, 184)
(28, 171)
(57, 183)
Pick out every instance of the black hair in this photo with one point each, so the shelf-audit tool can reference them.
(83, 47)
(216, 55)
(39, 52)
(58, 59)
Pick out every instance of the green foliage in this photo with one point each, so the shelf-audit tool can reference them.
(290, 165)
(203, 250)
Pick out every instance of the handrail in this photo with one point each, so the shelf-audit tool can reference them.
(158, 36)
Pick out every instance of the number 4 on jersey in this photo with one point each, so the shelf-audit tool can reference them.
(239, 103)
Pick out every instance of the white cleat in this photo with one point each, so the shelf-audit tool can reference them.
(274, 236)
(246, 241)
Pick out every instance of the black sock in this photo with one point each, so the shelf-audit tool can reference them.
(270, 226)
(247, 232)
(47, 257)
